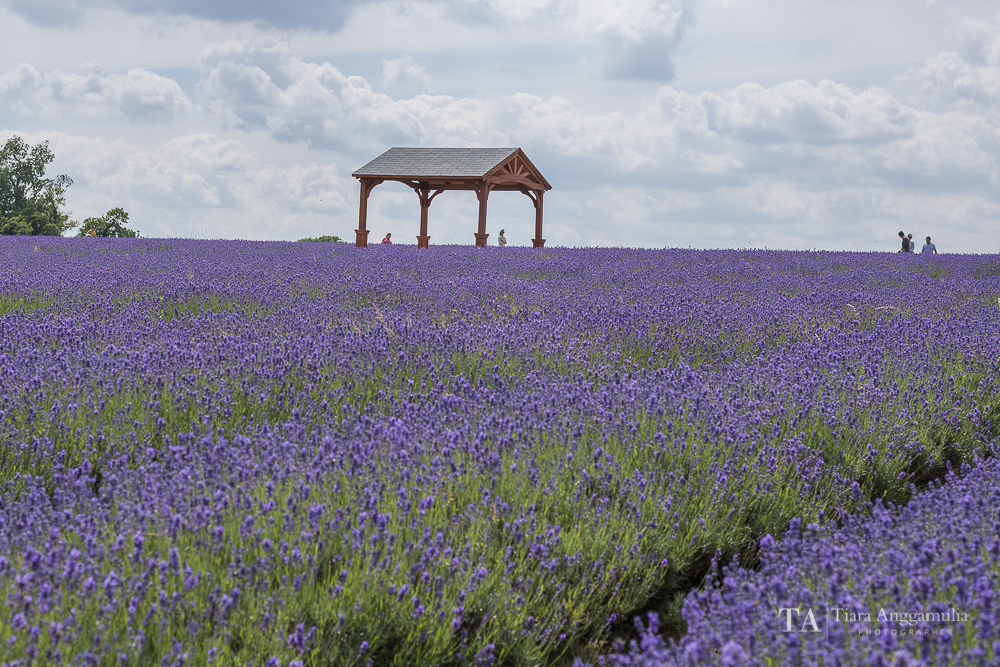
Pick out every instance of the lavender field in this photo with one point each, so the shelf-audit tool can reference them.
(310, 454)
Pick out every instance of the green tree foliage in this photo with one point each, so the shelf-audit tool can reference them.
(30, 203)
(110, 225)
(323, 238)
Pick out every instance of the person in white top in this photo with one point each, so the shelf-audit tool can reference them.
(913, 246)
(502, 240)
(929, 248)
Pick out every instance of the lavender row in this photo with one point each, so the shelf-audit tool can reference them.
(908, 586)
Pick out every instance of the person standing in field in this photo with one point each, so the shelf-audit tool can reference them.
(906, 243)
(913, 246)
(929, 248)
(388, 239)
(92, 233)
(502, 240)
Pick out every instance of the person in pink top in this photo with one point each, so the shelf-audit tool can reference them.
(387, 239)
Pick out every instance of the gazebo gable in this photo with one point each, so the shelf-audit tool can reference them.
(516, 171)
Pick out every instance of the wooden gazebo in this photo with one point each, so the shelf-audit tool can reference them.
(431, 171)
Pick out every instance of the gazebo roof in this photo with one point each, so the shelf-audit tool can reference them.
(449, 163)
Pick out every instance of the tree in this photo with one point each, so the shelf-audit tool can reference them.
(111, 224)
(335, 239)
(30, 203)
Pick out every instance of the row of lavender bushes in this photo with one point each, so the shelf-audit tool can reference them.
(273, 453)
(910, 586)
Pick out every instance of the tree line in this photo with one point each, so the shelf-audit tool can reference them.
(32, 204)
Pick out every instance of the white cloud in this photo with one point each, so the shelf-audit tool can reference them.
(953, 148)
(405, 73)
(632, 20)
(136, 94)
(971, 73)
(637, 37)
(800, 111)
(17, 83)
(260, 84)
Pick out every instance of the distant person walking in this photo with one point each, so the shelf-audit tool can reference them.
(502, 240)
(929, 248)
(388, 239)
(906, 243)
(913, 246)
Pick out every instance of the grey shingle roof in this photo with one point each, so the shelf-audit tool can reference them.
(428, 162)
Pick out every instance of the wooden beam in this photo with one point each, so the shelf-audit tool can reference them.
(439, 184)
(505, 179)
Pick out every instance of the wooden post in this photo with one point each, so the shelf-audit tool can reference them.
(538, 241)
(424, 193)
(423, 240)
(483, 192)
(361, 240)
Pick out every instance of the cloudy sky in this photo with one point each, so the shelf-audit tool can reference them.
(708, 123)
